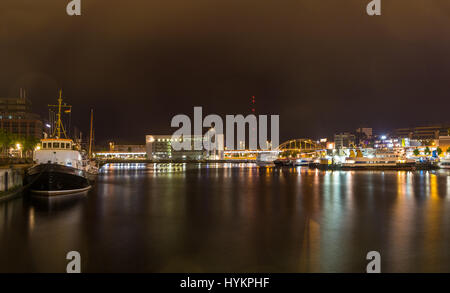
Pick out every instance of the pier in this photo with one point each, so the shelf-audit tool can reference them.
(11, 181)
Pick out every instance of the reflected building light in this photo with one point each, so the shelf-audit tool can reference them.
(434, 191)
(427, 183)
(401, 185)
(31, 220)
(448, 185)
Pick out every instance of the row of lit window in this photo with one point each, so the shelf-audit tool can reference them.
(56, 145)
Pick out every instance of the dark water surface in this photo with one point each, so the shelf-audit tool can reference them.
(235, 218)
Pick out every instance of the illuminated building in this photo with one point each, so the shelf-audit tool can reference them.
(423, 132)
(344, 140)
(444, 143)
(123, 151)
(16, 117)
(160, 147)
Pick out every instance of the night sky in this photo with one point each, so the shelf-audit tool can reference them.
(322, 65)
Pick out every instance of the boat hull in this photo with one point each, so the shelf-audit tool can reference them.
(396, 166)
(283, 163)
(444, 164)
(54, 179)
(265, 164)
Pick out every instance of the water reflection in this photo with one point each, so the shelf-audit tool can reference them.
(234, 217)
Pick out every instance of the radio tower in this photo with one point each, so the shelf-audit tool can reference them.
(253, 104)
(253, 130)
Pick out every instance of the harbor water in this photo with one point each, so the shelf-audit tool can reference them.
(234, 218)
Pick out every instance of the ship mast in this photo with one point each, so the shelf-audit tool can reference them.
(59, 125)
(90, 135)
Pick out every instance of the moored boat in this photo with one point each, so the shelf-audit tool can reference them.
(444, 163)
(56, 179)
(303, 161)
(283, 163)
(381, 160)
(59, 165)
(266, 159)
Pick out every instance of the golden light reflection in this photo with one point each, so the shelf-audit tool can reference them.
(310, 247)
(31, 221)
(434, 192)
(401, 183)
(434, 224)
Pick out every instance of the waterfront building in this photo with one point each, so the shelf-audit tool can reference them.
(364, 137)
(16, 117)
(123, 151)
(160, 147)
(130, 148)
(423, 132)
(366, 132)
(444, 143)
(344, 140)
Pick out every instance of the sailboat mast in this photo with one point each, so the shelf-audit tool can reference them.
(58, 127)
(90, 135)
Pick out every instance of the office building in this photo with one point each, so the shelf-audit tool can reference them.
(161, 147)
(344, 140)
(16, 117)
(423, 132)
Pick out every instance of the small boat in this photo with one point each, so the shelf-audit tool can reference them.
(304, 161)
(266, 159)
(92, 170)
(444, 163)
(283, 163)
(59, 165)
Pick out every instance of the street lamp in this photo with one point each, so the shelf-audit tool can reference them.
(19, 147)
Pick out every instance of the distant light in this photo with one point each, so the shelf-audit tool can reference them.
(48, 125)
(18, 146)
(383, 137)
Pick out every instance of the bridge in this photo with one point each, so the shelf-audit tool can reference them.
(302, 145)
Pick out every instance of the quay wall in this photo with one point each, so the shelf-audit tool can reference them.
(11, 181)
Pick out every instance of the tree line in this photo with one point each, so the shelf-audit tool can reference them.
(10, 140)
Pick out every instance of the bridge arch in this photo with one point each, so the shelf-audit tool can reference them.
(299, 145)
